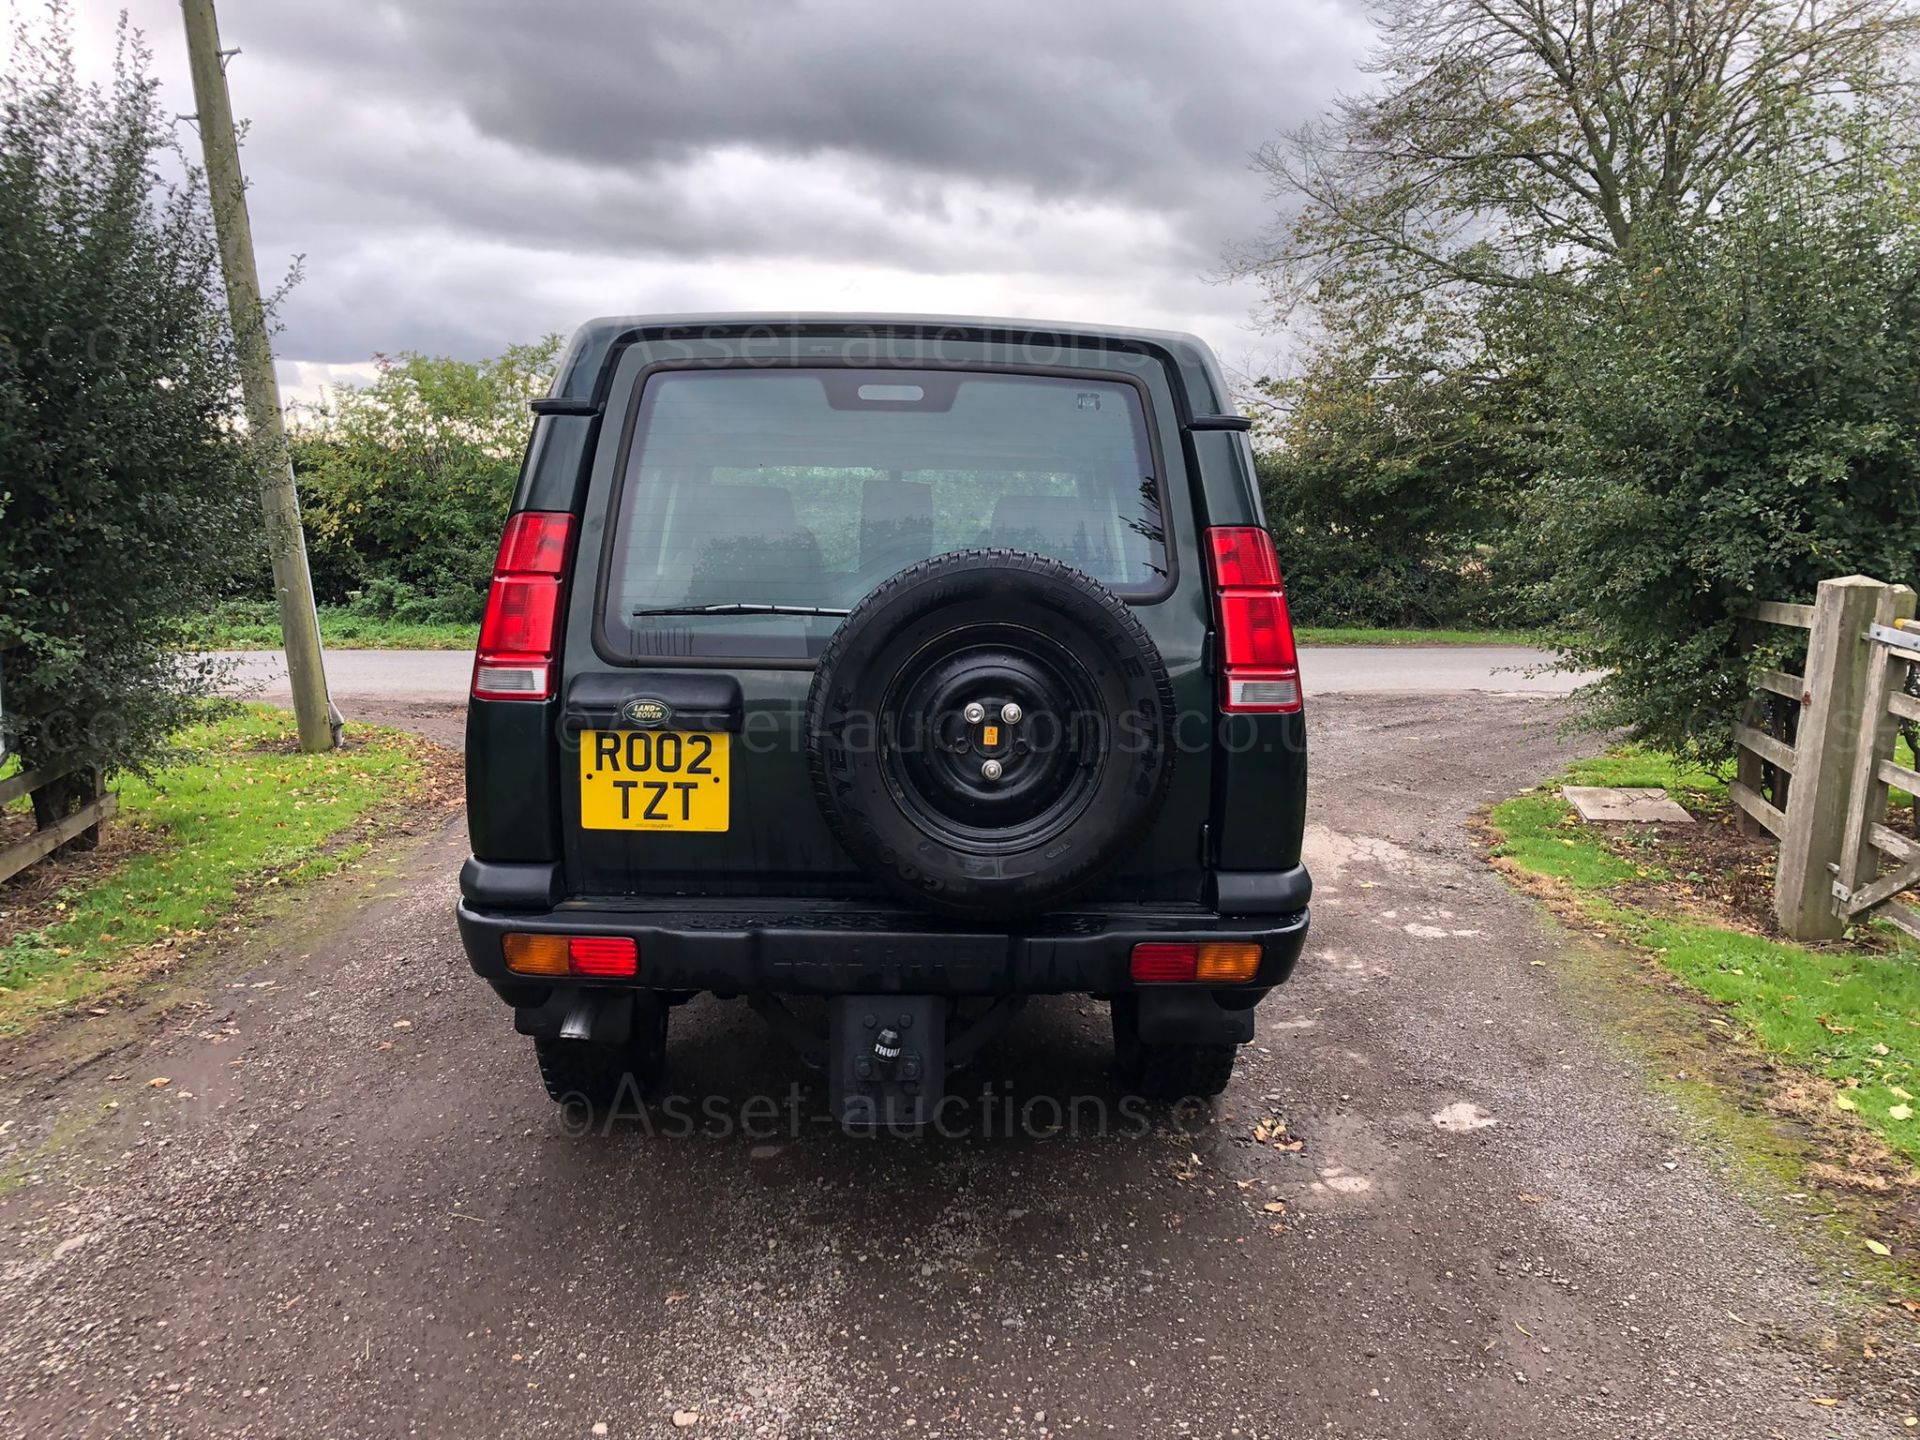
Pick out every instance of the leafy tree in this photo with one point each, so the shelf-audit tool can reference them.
(1676, 241)
(125, 497)
(406, 481)
(1737, 422)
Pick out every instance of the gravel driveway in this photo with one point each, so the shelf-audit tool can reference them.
(351, 1212)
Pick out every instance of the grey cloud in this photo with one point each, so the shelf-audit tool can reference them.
(459, 172)
(1074, 96)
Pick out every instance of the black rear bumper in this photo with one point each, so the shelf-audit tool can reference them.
(735, 947)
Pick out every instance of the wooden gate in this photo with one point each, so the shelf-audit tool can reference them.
(1816, 759)
(1879, 863)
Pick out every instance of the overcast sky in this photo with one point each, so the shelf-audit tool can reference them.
(462, 174)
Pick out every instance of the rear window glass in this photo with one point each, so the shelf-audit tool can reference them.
(804, 489)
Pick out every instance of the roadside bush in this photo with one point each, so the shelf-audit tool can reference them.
(126, 500)
(1389, 485)
(1736, 420)
(405, 482)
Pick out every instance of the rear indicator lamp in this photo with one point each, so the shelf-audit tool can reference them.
(1259, 666)
(1227, 964)
(519, 634)
(601, 957)
(1214, 963)
(536, 954)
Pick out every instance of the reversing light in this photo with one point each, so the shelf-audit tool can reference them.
(514, 660)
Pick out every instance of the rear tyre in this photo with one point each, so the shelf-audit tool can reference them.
(1167, 1072)
(597, 1079)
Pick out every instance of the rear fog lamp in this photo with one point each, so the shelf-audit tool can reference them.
(603, 955)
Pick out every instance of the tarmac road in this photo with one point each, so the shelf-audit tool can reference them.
(352, 1212)
(383, 677)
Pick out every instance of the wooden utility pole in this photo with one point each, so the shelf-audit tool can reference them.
(286, 540)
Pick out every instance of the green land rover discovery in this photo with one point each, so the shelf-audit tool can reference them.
(884, 671)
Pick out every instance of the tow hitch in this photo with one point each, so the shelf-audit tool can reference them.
(886, 1059)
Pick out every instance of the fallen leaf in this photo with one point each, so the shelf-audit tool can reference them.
(1824, 1400)
(1275, 1207)
(1902, 1111)
(1844, 1102)
(1877, 1247)
(160, 1082)
(403, 1024)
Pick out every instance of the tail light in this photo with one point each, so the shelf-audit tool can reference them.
(1260, 668)
(514, 660)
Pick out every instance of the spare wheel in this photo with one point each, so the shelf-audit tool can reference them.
(989, 731)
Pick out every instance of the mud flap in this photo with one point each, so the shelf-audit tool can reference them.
(886, 1059)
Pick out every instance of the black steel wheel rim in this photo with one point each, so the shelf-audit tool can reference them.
(933, 758)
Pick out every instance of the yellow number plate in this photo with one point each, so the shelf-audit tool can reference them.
(654, 779)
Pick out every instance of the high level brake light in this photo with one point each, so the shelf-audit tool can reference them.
(514, 660)
(1260, 668)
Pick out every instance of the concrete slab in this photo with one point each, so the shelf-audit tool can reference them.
(1604, 803)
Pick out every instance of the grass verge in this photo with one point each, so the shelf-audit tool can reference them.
(248, 626)
(247, 811)
(1847, 1013)
(1364, 635)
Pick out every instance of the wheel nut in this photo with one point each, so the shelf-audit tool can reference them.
(990, 769)
(1011, 713)
(975, 713)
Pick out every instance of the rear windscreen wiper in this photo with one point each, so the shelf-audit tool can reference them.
(737, 608)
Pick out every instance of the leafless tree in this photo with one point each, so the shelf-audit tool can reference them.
(1511, 144)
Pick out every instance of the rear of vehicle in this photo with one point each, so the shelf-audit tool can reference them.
(920, 666)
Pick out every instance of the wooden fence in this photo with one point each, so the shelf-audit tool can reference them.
(1816, 759)
(42, 843)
